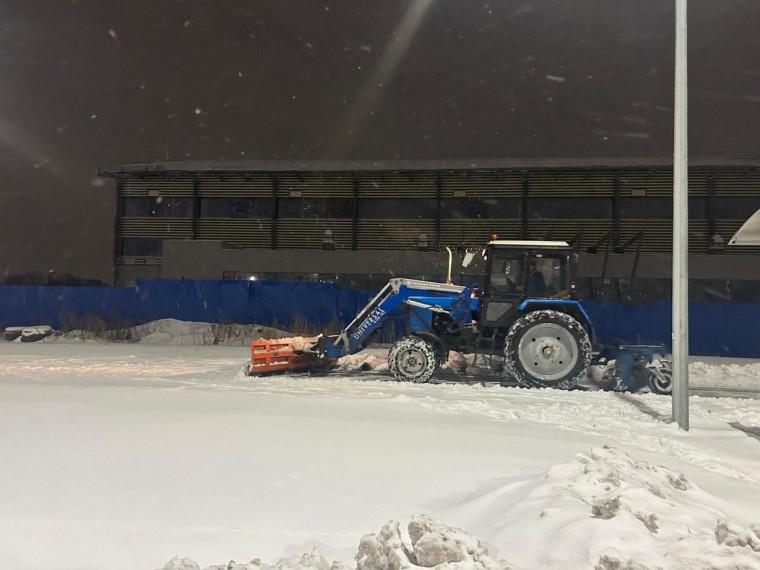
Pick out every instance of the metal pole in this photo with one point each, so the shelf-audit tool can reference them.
(681, 228)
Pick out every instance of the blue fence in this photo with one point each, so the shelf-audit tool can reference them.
(715, 329)
(204, 301)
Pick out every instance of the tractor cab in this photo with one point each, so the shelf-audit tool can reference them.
(518, 270)
(535, 269)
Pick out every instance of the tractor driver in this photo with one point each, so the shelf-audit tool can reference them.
(537, 283)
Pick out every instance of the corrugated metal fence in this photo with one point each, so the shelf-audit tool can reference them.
(715, 329)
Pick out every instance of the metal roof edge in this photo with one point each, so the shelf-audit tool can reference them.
(221, 166)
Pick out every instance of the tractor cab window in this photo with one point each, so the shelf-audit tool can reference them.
(506, 276)
(545, 276)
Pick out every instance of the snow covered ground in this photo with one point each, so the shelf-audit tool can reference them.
(126, 455)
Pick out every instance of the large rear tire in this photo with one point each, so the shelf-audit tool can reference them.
(413, 359)
(547, 349)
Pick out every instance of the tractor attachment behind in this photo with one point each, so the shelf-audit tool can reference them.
(629, 368)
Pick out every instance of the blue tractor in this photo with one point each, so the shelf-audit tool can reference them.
(526, 312)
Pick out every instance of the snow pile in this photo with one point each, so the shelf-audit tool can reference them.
(433, 545)
(299, 343)
(607, 510)
(175, 333)
(457, 362)
(367, 359)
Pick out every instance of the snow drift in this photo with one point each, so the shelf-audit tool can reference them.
(607, 510)
(172, 332)
(603, 510)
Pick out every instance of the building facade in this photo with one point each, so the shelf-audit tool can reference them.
(360, 222)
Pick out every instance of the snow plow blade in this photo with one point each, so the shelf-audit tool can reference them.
(280, 357)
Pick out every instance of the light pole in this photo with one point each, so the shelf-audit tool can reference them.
(681, 227)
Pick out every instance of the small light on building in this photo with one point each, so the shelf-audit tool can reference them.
(252, 278)
(717, 244)
(328, 243)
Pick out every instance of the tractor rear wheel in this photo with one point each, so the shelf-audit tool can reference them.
(413, 359)
(547, 349)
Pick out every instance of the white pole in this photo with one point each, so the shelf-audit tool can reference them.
(681, 228)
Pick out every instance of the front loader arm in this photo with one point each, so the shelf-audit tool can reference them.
(390, 302)
(396, 300)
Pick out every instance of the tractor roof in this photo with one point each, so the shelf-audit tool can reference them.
(530, 244)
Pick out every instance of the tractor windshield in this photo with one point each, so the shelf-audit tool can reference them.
(545, 276)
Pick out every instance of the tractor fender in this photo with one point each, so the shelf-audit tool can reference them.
(429, 336)
(571, 307)
(433, 339)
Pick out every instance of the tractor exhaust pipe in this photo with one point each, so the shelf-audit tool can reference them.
(451, 259)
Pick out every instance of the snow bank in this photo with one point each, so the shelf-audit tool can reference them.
(433, 544)
(733, 373)
(608, 510)
(175, 333)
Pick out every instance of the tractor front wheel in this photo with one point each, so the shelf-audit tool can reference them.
(547, 349)
(413, 359)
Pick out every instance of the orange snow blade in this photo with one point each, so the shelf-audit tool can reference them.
(268, 356)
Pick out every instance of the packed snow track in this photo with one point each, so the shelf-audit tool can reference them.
(124, 456)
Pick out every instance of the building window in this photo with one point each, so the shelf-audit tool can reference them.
(480, 208)
(658, 208)
(157, 207)
(569, 208)
(141, 247)
(135, 207)
(316, 208)
(236, 208)
(398, 209)
(738, 208)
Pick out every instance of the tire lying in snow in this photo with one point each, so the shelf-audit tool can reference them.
(413, 359)
(547, 349)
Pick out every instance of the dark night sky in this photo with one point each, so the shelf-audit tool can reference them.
(97, 83)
